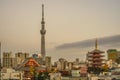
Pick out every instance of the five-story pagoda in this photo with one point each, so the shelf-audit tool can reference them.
(95, 57)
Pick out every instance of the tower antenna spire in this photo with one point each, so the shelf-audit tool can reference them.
(42, 12)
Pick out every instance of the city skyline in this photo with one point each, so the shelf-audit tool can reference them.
(66, 22)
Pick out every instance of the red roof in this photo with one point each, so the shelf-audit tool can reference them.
(31, 62)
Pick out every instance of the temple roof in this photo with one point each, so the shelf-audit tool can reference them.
(31, 62)
(40, 68)
(97, 63)
(96, 59)
(96, 56)
(25, 66)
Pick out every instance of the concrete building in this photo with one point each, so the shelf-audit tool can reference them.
(7, 60)
(10, 74)
(112, 54)
(21, 57)
(48, 62)
(55, 76)
(70, 65)
(75, 73)
(109, 63)
(76, 63)
(62, 64)
(14, 62)
(11, 62)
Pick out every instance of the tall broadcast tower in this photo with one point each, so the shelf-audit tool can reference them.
(43, 31)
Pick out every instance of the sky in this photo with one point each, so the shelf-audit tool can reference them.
(72, 26)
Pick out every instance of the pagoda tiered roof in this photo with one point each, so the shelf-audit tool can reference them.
(95, 56)
(96, 59)
(97, 63)
(96, 51)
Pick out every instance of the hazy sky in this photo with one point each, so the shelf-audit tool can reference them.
(67, 21)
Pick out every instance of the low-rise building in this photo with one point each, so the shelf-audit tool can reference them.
(55, 76)
(112, 54)
(10, 74)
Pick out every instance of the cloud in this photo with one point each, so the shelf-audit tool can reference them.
(109, 41)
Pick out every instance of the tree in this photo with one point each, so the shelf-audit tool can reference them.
(105, 67)
(43, 76)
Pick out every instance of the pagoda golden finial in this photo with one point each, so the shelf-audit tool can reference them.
(96, 44)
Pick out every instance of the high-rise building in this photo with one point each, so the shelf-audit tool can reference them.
(11, 62)
(8, 60)
(21, 57)
(62, 64)
(95, 57)
(14, 62)
(43, 32)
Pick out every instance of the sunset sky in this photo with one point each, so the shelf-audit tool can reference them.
(72, 26)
